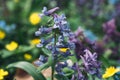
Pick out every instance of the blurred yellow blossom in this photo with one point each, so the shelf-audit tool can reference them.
(110, 72)
(63, 49)
(35, 41)
(27, 56)
(2, 34)
(2, 74)
(11, 46)
(16, 1)
(34, 18)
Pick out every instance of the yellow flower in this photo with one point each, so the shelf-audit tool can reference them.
(2, 34)
(35, 41)
(2, 74)
(34, 18)
(16, 1)
(110, 72)
(63, 49)
(27, 56)
(11, 46)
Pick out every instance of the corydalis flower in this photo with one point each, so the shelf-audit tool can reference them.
(79, 75)
(43, 30)
(110, 31)
(46, 12)
(57, 40)
(42, 59)
(59, 66)
(92, 66)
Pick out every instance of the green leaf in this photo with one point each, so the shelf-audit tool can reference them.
(29, 68)
(5, 53)
(61, 77)
(68, 71)
(46, 52)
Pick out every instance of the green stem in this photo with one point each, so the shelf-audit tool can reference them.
(93, 77)
(53, 70)
(54, 62)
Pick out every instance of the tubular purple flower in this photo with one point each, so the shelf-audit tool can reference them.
(41, 61)
(79, 75)
(49, 12)
(92, 66)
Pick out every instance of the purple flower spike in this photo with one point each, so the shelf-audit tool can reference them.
(92, 66)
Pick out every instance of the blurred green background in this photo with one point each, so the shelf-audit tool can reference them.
(15, 25)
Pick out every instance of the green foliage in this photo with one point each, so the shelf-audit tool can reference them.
(29, 68)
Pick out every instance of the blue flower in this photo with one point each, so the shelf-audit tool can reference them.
(41, 61)
(90, 35)
(7, 28)
(43, 30)
(59, 66)
(49, 12)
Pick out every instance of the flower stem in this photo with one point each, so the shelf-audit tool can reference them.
(93, 78)
(53, 70)
(54, 62)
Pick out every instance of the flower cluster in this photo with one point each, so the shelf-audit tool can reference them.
(60, 40)
(111, 37)
(57, 40)
(90, 63)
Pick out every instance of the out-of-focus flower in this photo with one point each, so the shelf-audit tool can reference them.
(111, 33)
(63, 50)
(11, 46)
(16, 1)
(109, 27)
(2, 74)
(2, 34)
(110, 72)
(113, 1)
(34, 18)
(88, 34)
(27, 56)
(35, 41)
(7, 28)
